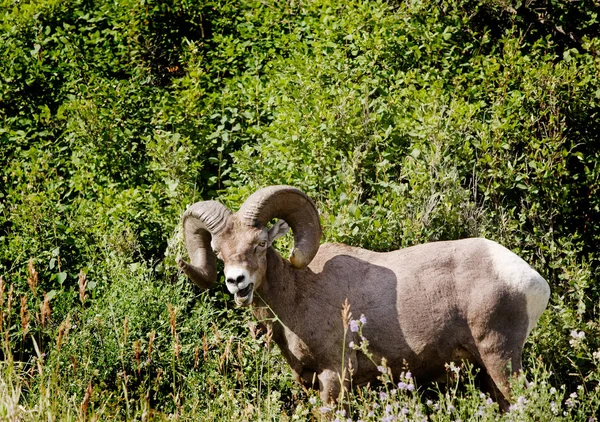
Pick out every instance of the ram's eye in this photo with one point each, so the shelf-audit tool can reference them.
(262, 243)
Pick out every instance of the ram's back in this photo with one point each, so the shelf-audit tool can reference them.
(432, 302)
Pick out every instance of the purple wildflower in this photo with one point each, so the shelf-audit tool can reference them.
(577, 334)
(363, 319)
(354, 326)
(402, 385)
(383, 395)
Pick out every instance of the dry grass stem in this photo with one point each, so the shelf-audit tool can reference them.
(217, 334)
(205, 345)
(8, 311)
(137, 350)
(269, 337)
(86, 401)
(10, 299)
(226, 353)
(172, 318)
(125, 329)
(252, 327)
(32, 278)
(24, 316)
(82, 286)
(177, 346)
(151, 337)
(196, 357)
(2, 287)
(45, 310)
(63, 332)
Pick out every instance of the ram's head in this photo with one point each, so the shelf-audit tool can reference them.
(241, 239)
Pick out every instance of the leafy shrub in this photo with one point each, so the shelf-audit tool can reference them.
(407, 122)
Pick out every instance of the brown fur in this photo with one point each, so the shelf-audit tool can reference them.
(426, 306)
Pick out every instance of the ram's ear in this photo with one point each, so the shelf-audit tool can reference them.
(279, 229)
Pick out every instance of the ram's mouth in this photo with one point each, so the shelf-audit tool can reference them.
(244, 296)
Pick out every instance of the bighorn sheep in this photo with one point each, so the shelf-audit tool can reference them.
(426, 305)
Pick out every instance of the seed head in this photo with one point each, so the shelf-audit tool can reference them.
(172, 318)
(32, 279)
(137, 349)
(151, 337)
(63, 331)
(86, 399)
(45, 309)
(2, 287)
(346, 314)
(82, 285)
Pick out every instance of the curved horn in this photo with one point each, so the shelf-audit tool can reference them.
(201, 221)
(293, 206)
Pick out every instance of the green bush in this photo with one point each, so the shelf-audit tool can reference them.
(407, 122)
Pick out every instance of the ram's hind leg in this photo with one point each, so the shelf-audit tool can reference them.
(499, 328)
(498, 369)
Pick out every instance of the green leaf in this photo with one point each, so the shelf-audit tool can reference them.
(61, 277)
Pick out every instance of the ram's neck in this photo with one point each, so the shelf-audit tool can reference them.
(278, 295)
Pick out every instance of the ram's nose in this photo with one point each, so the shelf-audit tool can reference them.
(237, 280)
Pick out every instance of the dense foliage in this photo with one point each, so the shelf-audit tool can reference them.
(406, 121)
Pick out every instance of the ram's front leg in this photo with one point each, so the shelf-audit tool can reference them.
(332, 379)
(307, 378)
(329, 386)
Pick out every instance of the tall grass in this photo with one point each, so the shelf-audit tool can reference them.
(191, 361)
